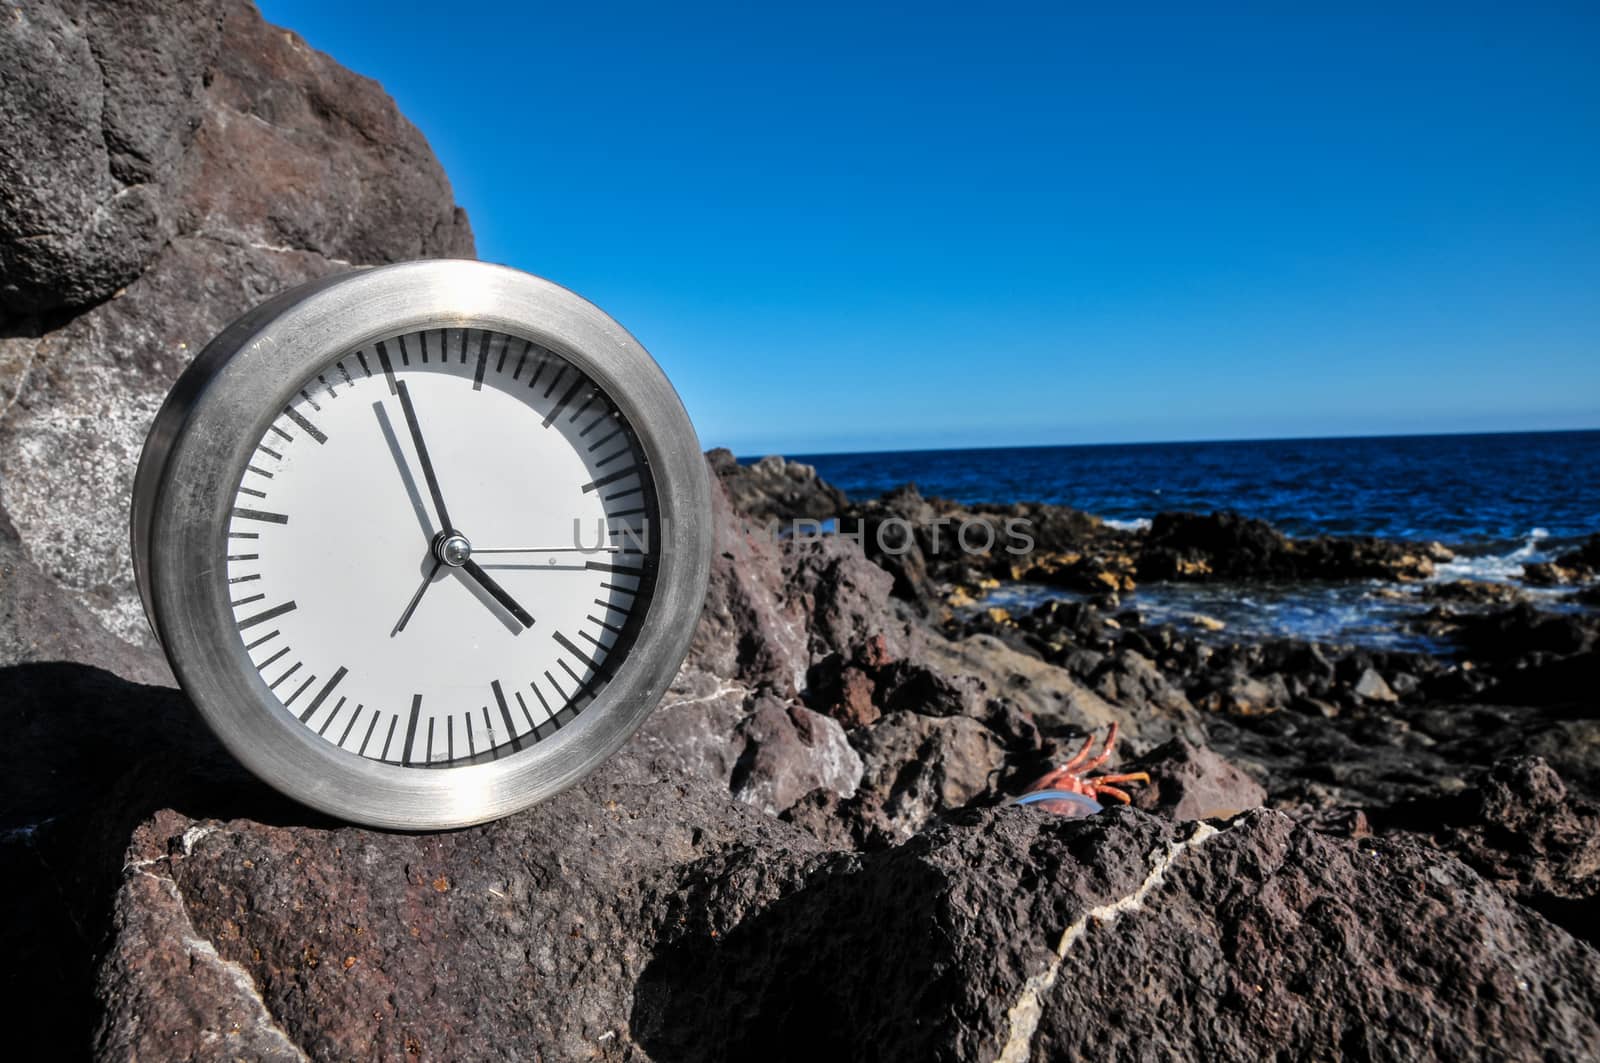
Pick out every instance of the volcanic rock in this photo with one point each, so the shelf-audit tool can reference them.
(1131, 680)
(676, 926)
(164, 169)
(1553, 574)
(748, 629)
(1522, 830)
(843, 691)
(242, 938)
(1191, 782)
(844, 599)
(1473, 592)
(773, 489)
(41, 622)
(790, 751)
(98, 105)
(1185, 546)
(1587, 553)
(1372, 686)
(1510, 634)
(889, 531)
(1042, 937)
(916, 767)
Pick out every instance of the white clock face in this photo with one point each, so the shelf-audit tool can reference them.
(442, 549)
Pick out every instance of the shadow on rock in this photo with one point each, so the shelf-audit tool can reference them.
(89, 755)
(826, 973)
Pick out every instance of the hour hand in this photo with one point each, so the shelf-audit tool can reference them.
(497, 592)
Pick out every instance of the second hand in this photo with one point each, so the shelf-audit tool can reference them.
(551, 550)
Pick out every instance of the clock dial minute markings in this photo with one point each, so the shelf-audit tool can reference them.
(261, 618)
(505, 714)
(561, 404)
(483, 361)
(411, 727)
(573, 648)
(438, 376)
(609, 478)
(310, 429)
(322, 695)
(260, 514)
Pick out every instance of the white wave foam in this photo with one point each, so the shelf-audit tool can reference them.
(1134, 525)
(1494, 567)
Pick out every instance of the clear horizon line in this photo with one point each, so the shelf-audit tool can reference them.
(1164, 442)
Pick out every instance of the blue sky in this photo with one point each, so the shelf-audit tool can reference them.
(853, 228)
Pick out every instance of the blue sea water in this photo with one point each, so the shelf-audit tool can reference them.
(1469, 490)
(1499, 500)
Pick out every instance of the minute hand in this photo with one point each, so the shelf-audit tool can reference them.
(422, 456)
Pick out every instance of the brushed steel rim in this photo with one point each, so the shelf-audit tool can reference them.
(196, 453)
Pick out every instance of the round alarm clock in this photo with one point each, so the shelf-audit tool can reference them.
(425, 543)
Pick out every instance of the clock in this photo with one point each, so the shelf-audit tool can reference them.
(424, 544)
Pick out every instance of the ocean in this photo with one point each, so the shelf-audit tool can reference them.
(1499, 500)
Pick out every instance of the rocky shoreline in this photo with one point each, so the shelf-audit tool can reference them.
(808, 850)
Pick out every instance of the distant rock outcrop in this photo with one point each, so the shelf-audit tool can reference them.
(773, 489)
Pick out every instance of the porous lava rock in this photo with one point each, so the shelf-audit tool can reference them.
(776, 490)
(1192, 782)
(163, 168)
(805, 852)
(1016, 935)
(676, 925)
(1225, 545)
(1522, 830)
(749, 629)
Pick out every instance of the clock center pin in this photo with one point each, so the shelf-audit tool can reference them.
(452, 548)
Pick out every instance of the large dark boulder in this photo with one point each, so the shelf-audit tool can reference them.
(749, 629)
(41, 622)
(1037, 937)
(99, 103)
(1521, 829)
(1192, 782)
(798, 855)
(162, 169)
(628, 920)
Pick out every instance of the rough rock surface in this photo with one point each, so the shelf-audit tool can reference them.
(803, 853)
(1522, 830)
(775, 490)
(1223, 545)
(39, 623)
(1192, 782)
(163, 169)
(749, 629)
(98, 104)
(521, 939)
(692, 930)
(1046, 938)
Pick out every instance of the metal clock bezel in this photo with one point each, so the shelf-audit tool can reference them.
(221, 406)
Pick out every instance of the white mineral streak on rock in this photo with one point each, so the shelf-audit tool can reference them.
(203, 953)
(1024, 1015)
